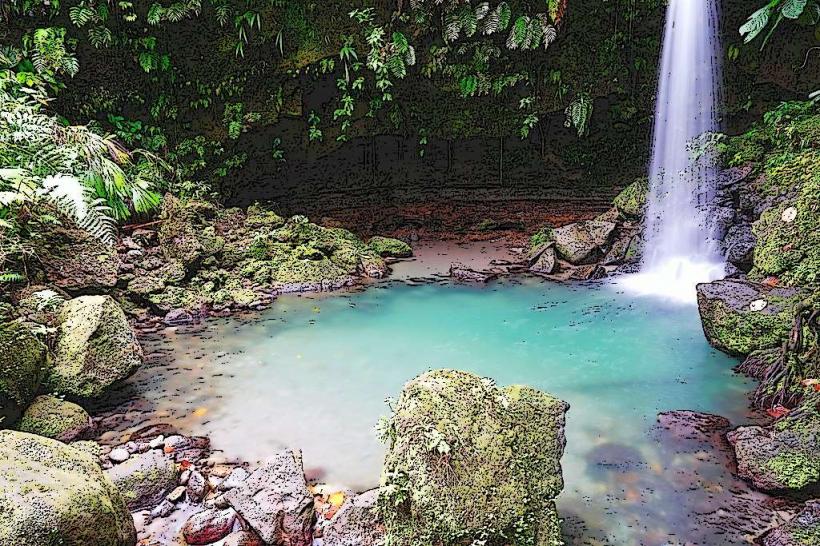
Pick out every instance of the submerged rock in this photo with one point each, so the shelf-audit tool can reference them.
(387, 247)
(276, 502)
(803, 530)
(95, 348)
(55, 418)
(357, 523)
(784, 456)
(469, 461)
(144, 478)
(23, 360)
(51, 493)
(740, 316)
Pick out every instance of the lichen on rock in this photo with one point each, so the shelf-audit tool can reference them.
(467, 461)
(23, 364)
(51, 493)
(55, 418)
(387, 247)
(632, 199)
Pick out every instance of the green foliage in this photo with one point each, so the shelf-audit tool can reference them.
(579, 114)
(804, 12)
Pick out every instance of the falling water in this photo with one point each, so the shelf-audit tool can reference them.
(680, 248)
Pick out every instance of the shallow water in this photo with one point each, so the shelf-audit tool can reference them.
(313, 372)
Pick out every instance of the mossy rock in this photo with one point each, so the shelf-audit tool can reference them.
(540, 239)
(469, 461)
(802, 530)
(733, 322)
(144, 478)
(95, 348)
(583, 243)
(785, 456)
(53, 494)
(23, 364)
(55, 418)
(259, 218)
(632, 199)
(186, 235)
(75, 261)
(788, 238)
(387, 247)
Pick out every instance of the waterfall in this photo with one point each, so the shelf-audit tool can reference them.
(680, 249)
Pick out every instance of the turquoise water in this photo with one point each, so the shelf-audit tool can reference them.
(313, 372)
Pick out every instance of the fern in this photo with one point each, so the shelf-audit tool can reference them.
(756, 23)
(579, 114)
(519, 34)
(8, 277)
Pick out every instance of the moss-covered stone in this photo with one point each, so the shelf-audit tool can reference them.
(387, 247)
(785, 456)
(75, 261)
(259, 218)
(52, 494)
(55, 418)
(802, 530)
(185, 234)
(540, 239)
(469, 461)
(732, 320)
(144, 479)
(632, 199)
(789, 248)
(95, 348)
(23, 363)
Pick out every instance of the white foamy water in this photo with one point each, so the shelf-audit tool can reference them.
(680, 248)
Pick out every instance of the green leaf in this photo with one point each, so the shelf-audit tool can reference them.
(755, 24)
(792, 9)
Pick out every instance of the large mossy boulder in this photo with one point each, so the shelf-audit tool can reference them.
(75, 261)
(788, 237)
(95, 348)
(53, 494)
(784, 456)
(144, 479)
(23, 364)
(187, 234)
(583, 243)
(468, 461)
(387, 247)
(55, 418)
(739, 317)
(632, 199)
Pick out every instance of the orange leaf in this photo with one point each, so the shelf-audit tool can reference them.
(778, 411)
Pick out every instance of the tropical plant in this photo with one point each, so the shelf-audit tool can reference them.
(805, 12)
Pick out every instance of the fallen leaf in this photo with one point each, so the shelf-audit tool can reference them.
(778, 411)
(185, 464)
(168, 449)
(771, 281)
(336, 499)
(199, 412)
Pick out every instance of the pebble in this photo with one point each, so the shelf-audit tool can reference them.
(157, 442)
(196, 487)
(163, 509)
(208, 526)
(177, 494)
(119, 455)
(214, 481)
(184, 477)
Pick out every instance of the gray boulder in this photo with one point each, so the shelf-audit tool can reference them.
(739, 245)
(96, 347)
(144, 479)
(583, 243)
(51, 494)
(357, 523)
(276, 502)
(545, 261)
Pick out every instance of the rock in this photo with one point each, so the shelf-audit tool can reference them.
(196, 487)
(693, 425)
(234, 479)
(119, 455)
(95, 348)
(144, 479)
(632, 199)
(40, 304)
(208, 526)
(470, 461)
(618, 253)
(732, 325)
(803, 530)
(739, 245)
(784, 456)
(275, 501)
(76, 261)
(588, 273)
(721, 219)
(390, 248)
(55, 418)
(176, 495)
(463, 273)
(581, 243)
(545, 261)
(185, 234)
(241, 538)
(23, 363)
(51, 493)
(357, 523)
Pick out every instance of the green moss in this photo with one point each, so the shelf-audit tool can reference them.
(54, 418)
(390, 248)
(795, 469)
(540, 238)
(632, 199)
(742, 333)
(185, 235)
(469, 461)
(23, 364)
(259, 218)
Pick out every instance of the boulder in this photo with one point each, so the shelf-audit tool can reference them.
(632, 199)
(582, 243)
(51, 493)
(740, 316)
(390, 248)
(95, 348)
(185, 234)
(23, 362)
(55, 418)
(739, 246)
(276, 502)
(461, 272)
(784, 456)
(545, 261)
(144, 478)
(77, 262)
(802, 530)
(357, 523)
(468, 461)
